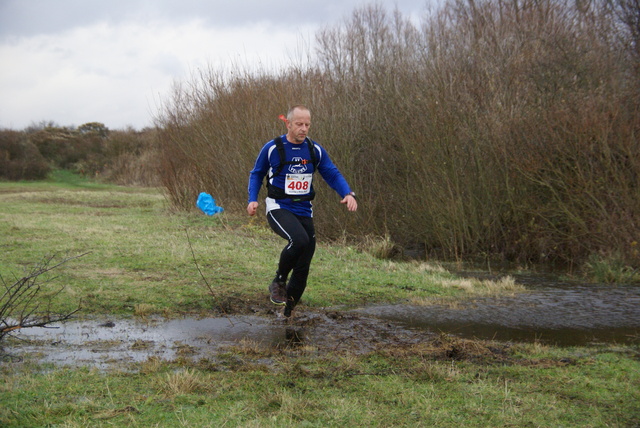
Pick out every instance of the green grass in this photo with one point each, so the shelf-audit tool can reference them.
(139, 252)
(139, 256)
(394, 387)
(611, 269)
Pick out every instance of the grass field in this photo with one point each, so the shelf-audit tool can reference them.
(141, 259)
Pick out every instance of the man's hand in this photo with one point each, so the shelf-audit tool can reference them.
(252, 208)
(351, 202)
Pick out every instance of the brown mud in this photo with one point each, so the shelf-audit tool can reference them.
(105, 342)
(120, 344)
(472, 329)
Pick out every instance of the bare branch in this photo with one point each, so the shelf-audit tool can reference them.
(21, 302)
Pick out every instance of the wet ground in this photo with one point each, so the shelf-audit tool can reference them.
(549, 312)
(563, 315)
(106, 342)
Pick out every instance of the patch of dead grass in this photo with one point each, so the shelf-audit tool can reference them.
(144, 310)
(182, 382)
(483, 287)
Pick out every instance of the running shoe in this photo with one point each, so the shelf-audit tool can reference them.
(288, 308)
(278, 293)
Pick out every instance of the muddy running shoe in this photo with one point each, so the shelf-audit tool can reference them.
(288, 308)
(278, 293)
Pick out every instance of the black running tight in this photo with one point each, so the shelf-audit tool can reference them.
(296, 256)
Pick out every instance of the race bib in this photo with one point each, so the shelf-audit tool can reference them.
(297, 184)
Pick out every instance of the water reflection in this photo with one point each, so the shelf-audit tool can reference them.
(553, 312)
(100, 343)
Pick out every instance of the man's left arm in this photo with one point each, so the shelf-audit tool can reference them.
(336, 180)
(350, 200)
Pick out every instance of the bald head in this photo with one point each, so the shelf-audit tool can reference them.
(295, 108)
(298, 123)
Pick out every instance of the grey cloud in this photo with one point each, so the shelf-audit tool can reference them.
(30, 17)
(54, 53)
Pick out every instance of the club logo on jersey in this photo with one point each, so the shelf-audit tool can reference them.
(299, 167)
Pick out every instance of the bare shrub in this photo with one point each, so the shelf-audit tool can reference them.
(25, 304)
(131, 158)
(126, 157)
(212, 130)
(19, 158)
(507, 129)
(65, 147)
(628, 14)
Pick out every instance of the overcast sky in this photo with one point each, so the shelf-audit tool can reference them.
(114, 61)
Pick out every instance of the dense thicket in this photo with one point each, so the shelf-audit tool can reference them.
(490, 128)
(20, 158)
(125, 157)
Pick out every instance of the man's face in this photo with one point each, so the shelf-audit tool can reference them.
(298, 126)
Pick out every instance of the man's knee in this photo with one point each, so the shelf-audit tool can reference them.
(300, 243)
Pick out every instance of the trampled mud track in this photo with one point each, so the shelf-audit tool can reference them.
(120, 343)
(471, 329)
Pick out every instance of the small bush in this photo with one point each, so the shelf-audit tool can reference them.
(126, 157)
(20, 158)
(131, 158)
(382, 247)
(610, 269)
(62, 147)
(25, 303)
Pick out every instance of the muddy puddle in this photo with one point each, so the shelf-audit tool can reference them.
(549, 312)
(105, 343)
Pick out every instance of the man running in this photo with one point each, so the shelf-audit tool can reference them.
(290, 160)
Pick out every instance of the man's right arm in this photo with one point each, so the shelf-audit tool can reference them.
(252, 208)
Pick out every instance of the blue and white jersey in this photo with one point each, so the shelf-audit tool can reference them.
(295, 179)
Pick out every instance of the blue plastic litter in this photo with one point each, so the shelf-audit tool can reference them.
(207, 204)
